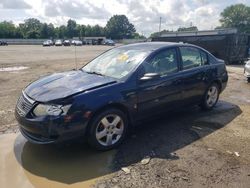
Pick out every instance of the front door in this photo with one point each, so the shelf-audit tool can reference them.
(160, 93)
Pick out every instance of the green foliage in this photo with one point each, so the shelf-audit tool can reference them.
(8, 30)
(192, 28)
(119, 27)
(71, 29)
(236, 16)
(31, 28)
(157, 34)
(138, 36)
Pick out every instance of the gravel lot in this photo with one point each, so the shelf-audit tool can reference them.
(188, 148)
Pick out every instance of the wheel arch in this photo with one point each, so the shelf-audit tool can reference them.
(219, 83)
(118, 106)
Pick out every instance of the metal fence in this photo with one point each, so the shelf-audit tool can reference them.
(40, 41)
(24, 41)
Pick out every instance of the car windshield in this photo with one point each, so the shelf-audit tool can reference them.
(116, 63)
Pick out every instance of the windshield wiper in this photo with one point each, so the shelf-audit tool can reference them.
(94, 72)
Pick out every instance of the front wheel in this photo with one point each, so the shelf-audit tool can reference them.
(108, 129)
(211, 97)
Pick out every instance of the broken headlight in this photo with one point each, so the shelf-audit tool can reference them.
(52, 110)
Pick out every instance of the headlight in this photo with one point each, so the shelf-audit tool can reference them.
(52, 110)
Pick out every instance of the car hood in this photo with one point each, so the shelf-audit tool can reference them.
(61, 85)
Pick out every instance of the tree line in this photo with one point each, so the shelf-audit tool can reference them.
(117, 27)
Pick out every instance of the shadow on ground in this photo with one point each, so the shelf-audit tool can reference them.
(159, 137)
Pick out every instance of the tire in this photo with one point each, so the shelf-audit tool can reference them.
(107, 129)
(248, 80)
(210, 97)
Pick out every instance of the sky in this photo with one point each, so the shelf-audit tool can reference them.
(144, 14)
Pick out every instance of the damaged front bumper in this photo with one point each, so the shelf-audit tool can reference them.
(46, 130)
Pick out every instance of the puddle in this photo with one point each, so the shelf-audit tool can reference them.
(27, 165)
(12, 69)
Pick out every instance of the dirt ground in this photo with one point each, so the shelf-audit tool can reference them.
(187, 148)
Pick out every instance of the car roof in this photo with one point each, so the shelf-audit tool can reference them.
(152, 46)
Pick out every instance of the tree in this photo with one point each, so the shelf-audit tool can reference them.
(31, 28)
(192, 28)
(119, 27)
(51, 31)
(7, 30)
(138, 36)
(60, 32)
(157, 34)
(97, 31)
(71, 28)
(44, 31)
(236, 16)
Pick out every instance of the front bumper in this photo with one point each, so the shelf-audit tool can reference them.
(247, 71)
(46, 130)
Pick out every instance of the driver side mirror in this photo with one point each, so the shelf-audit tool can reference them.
(150, 76)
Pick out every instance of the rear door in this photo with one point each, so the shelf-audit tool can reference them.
(158, 94)
(194, 69)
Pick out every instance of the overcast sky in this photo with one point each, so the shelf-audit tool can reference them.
(144, 14)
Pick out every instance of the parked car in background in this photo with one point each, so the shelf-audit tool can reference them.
(84, 42)
(94, 42)
(247, 70)
(109, 42)
(78, 43)
(48, 43)
(66, 43)
(73, 42)
(88, 41)
(58, 43)
(3, 43)
(117, 89)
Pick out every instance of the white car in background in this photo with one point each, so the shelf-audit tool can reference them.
(247, 70)
(78, 43)
(48, 43)
(58, 43)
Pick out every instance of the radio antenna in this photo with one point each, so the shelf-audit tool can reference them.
(75, 58)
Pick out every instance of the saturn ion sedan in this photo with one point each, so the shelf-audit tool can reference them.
(247, 70)
(120, 87)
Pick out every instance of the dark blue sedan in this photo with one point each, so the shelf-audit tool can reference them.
(118, 88)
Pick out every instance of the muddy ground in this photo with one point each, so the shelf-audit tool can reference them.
(187, 148)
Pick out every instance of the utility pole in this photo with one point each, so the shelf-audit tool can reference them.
(160, 25)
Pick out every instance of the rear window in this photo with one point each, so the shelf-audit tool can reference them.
(191, 57)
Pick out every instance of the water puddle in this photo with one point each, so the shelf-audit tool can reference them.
(13, 69)
(25, 165)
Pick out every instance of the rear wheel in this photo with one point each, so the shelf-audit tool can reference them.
(108, 129)
(211, 97)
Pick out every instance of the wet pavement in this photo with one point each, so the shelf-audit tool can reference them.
(25, 165)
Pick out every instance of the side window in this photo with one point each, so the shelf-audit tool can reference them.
(163, 63)
(204, 58)
(191, 57)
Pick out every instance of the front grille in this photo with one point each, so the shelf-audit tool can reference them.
(24, 105)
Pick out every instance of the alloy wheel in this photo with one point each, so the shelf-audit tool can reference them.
(212, 96)
(109, 130)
